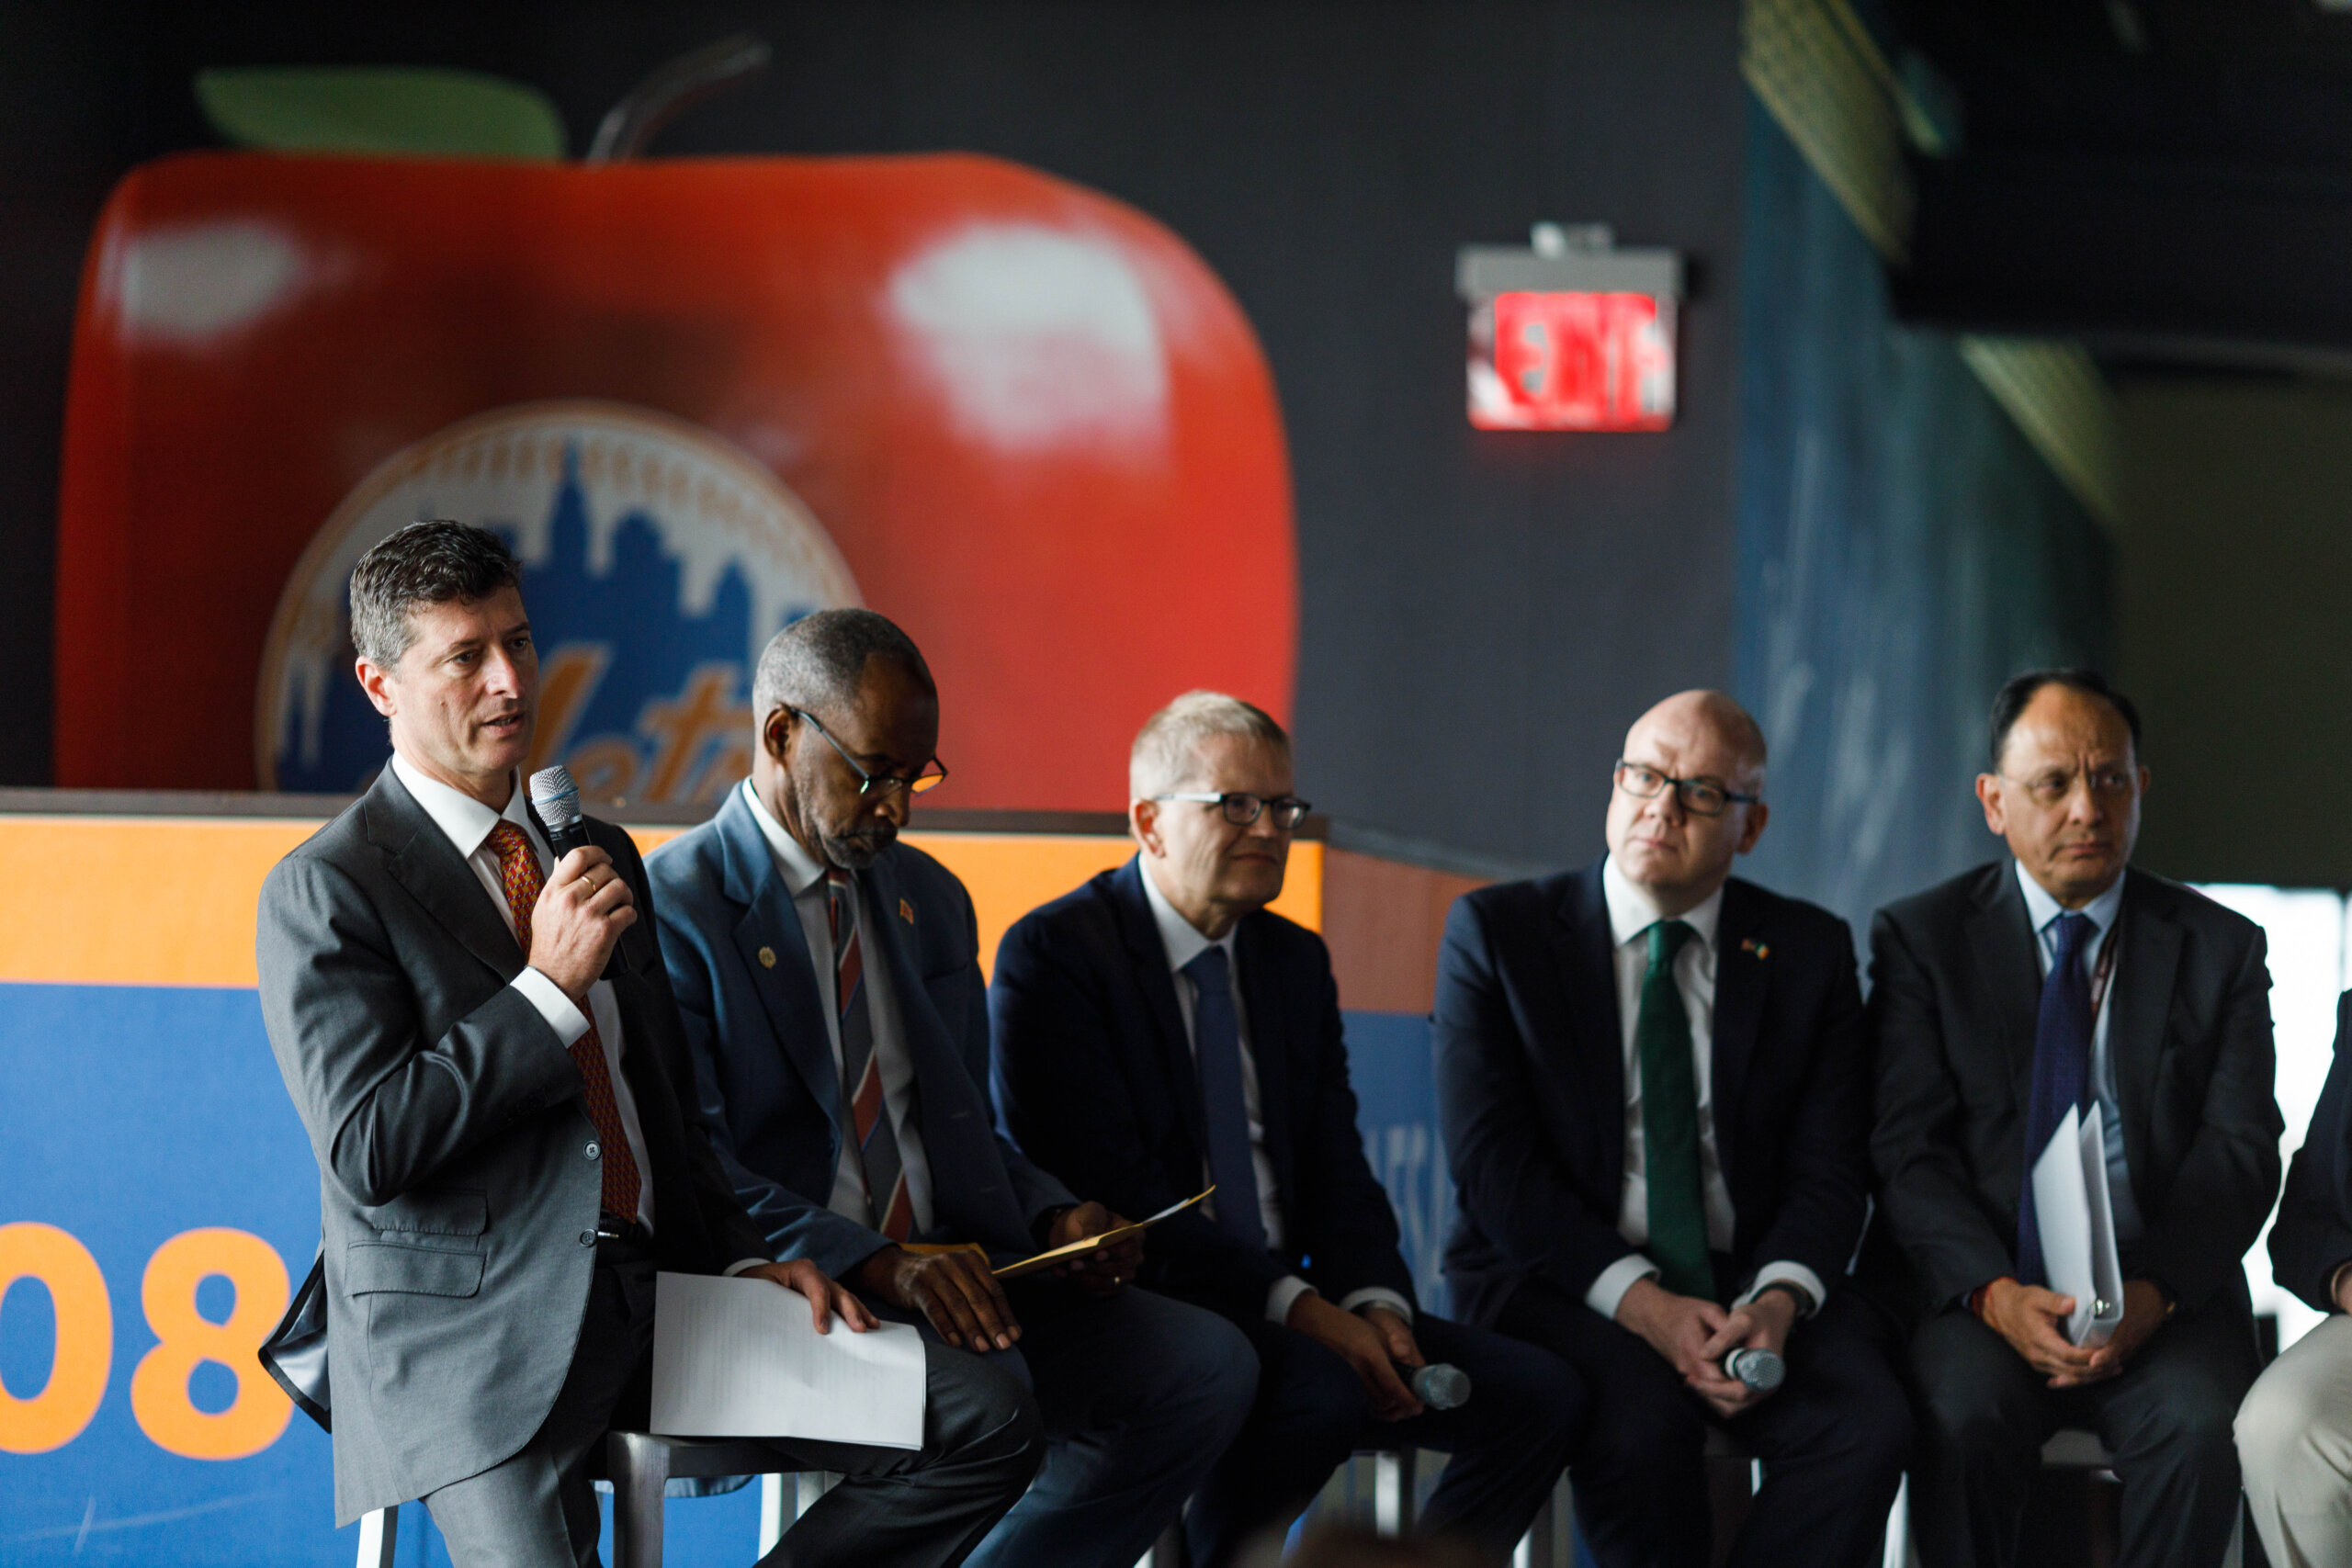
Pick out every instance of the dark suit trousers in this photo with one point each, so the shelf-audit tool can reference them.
(1510, 1440)
(1983, 1415)
(982, 1441)
(1833, 1439)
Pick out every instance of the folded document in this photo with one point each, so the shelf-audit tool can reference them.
(740, 1358)
(2077, 1225)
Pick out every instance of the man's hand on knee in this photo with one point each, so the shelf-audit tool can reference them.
(2032, 1320)
(1680, 1328)
(956, 1292)
(1362, 1346)
(825, 1296)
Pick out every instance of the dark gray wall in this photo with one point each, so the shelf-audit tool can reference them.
(2235, 568)
(1903, 552)
(1478, 611)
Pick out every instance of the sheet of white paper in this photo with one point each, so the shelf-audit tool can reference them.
(740, 1358)
(2069, 1182)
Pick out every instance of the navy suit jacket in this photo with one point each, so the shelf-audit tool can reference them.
(1532, 1086)
(1095, 1077)
(2313, 1234)
(1955, 991)
(765, 1077)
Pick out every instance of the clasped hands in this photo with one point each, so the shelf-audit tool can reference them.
(1694, 1336)
(960, 1296)
(2032, 1320)
(1373, 1342)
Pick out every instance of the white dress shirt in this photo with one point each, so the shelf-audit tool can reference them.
(1184, 943)
(1632, 912)
(468, 822)
(2043, 910)
(804, 878)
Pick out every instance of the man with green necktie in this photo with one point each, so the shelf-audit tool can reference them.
(1656, 1102)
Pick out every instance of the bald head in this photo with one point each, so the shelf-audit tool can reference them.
(1674, 828)
(1711, 721)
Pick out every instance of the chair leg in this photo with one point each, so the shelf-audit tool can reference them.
(771, 1512)
(1897, 1553)
(378, 1533)
(1392, 1491)
(1534, 1547)
(640, 1466)
(807, 1486)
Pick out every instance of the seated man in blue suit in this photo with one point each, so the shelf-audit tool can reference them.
(830, 981)
(1160, 1030)
(1657, 1101)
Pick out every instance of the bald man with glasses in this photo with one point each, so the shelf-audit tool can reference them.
(1655, 1102)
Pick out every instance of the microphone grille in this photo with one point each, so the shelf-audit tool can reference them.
(556, 796)
(1443, 1385)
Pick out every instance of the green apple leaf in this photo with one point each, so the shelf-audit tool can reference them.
(419, 110)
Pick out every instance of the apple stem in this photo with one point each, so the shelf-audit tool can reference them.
(629, 124)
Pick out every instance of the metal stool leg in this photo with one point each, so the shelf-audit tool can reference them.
(1392, 1491)
(1534, 1547)
(378, 1533)
(771, 1512)
(640, 1471)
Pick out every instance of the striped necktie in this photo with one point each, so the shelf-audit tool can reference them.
(520, 877)
(877, 1144)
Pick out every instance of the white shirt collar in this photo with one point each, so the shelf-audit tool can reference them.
(2042, 908)
(1633, 911)
(1180, 936)
(801, 870)
(463, 819)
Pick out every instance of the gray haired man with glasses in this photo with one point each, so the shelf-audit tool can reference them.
(1160, 1029)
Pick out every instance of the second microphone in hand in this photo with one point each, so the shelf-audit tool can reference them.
(557, 800)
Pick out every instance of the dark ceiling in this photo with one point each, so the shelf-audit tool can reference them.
(2169, 180)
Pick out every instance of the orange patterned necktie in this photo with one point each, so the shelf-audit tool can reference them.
(519, 874)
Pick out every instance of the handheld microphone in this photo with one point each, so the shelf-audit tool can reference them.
(1762, 1371)
(557, 800)
(1441, 1387)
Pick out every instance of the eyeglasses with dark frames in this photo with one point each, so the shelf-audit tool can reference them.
(1243, 809)
(929, 776)
(1701, 797)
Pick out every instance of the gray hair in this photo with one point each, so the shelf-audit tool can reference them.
(1167, 752)
(425, 563)
(818, 660)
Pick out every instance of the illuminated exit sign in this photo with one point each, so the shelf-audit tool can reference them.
(1571, 334)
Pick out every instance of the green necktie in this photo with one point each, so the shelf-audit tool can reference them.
(1678, 1241)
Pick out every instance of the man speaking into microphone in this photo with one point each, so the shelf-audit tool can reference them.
(504, 1162)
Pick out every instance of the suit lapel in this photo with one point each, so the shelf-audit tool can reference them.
(1149, 959)
(2009, 975)
(773, 947)
(1585, 951)
(421, 858)
(2140, 1001)
(1739, 1010)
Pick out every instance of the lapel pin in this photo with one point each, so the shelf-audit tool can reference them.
(906, 911)
(1749, 944)
(767, 958)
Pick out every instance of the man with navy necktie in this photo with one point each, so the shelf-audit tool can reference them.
(2061, 978)
(1158, 1030)
(829, 978)
(1657, 1107)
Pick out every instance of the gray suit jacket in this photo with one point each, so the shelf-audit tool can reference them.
(458, 1196)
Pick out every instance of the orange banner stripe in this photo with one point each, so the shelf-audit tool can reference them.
(171, 901)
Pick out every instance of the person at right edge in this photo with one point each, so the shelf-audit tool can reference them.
(2062, 978)
(1654, 1094)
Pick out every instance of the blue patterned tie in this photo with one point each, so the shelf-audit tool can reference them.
(2061, 1054)
(1217, 1052)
